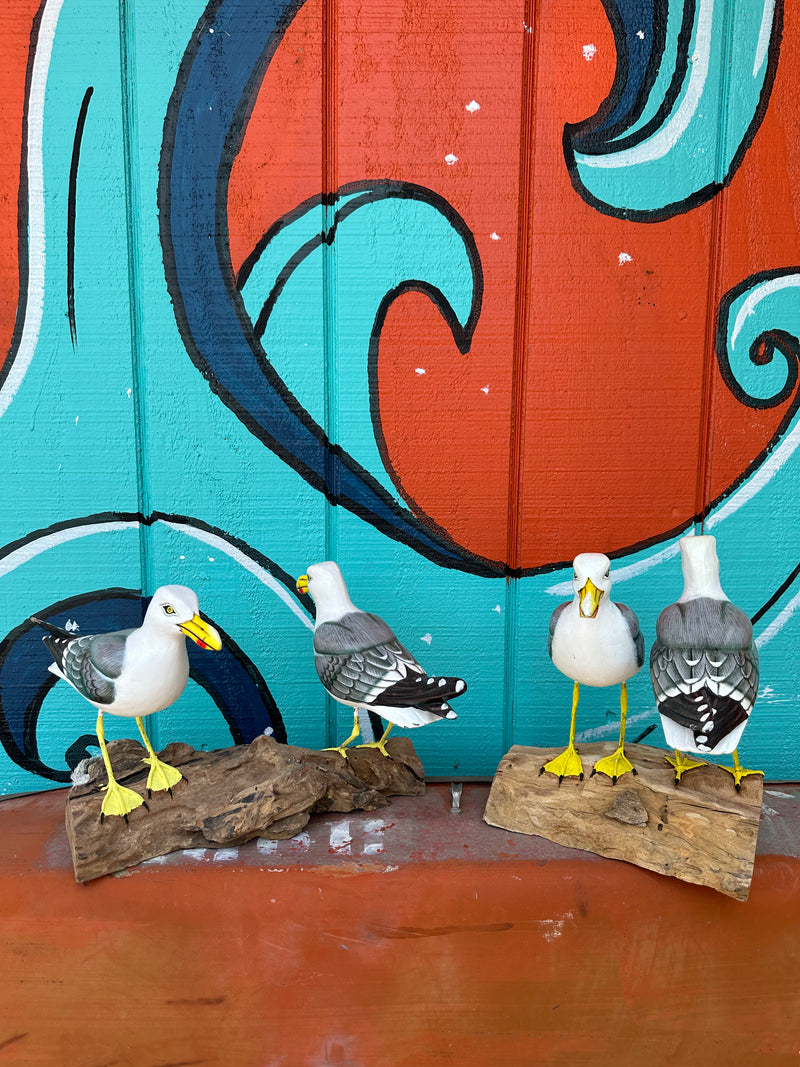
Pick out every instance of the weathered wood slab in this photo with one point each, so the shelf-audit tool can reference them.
(228, 797)
(700, 831)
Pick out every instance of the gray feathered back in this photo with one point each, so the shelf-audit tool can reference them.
(352, 633)
(704, 623)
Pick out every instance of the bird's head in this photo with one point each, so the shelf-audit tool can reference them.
(176, 608)
(591, 581)
(325, 585)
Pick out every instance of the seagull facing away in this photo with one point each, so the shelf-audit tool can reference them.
(594, 642)
(134, 673)
(704, 665)
(361, 663)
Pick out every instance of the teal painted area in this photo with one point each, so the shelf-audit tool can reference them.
(125, 424)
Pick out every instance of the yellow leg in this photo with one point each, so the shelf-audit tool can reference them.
(161, 775)
(355, 733)
(118, 800)
(379, 744)
(568, 764)
(738, 771)
(682, 763)
(617, 763)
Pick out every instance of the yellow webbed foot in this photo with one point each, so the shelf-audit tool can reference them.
(567, 765)
(341, 749)
(161, 775)
(682, 764)
(614, 765)
(119, 801)
(738, 771)
(381, 747)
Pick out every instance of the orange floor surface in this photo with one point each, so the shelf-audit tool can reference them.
(409, 937)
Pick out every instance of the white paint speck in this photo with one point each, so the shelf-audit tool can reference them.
(427, 638)
(589, 52)
(527, 28)
(76, 419)
(301, 841)
(211, 559)
(181, 557)
(623, 257)
(129, 392)
(497, 608)
(194, 853)
(341, 838)
(266, 847)
(419, 370)
(225, 855)
(485, 389)
(473, 106)
(640, 34)
(72, 626)
(268, 731)
(494, 236)
(450, 159)
(769, 811)
(211, 29)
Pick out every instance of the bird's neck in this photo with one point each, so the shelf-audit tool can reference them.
(333, 608)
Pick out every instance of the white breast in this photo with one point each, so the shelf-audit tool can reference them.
(598, 651)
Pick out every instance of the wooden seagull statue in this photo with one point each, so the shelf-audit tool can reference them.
(134, 673)
(594, 642)
(361, 663)
(704, 665)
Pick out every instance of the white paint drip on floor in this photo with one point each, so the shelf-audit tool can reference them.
(226, 855)
(340, 838)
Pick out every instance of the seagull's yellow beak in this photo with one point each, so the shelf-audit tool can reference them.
(302, 584)
(589, 599)
(202, 633)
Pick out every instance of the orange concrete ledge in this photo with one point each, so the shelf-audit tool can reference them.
(406, 938)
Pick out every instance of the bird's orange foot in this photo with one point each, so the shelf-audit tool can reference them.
(119, 801)
(566, 765)
(614, 765)
(161, 775)
(682, 764)
(738, 773)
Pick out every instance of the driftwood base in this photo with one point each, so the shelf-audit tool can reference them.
(228, 797)
(700, 831)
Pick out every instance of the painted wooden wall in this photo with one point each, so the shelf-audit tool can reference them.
(446, 292)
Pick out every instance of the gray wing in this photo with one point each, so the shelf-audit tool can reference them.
(360, 677)
(553, 623)
(92, 663)
(637, 635)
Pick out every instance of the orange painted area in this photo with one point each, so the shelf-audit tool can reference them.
(17, 20)
(597, 368)
(387, 961)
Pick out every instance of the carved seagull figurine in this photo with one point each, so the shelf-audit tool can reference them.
(134, 673)
(704, 665)
(361, 663)
(594, 642)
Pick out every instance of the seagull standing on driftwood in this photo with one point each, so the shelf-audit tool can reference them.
(704, 665)
(361, 663)
(134, 673)
(594, 642)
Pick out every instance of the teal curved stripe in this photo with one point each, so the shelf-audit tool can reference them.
(702, 107)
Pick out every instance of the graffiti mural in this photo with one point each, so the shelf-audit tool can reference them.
(447, 299)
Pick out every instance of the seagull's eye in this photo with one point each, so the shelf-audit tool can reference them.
(574, 577)
(168, 609)
(607, 574)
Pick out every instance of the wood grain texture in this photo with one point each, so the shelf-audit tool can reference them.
(700, 831)
(229, 796)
